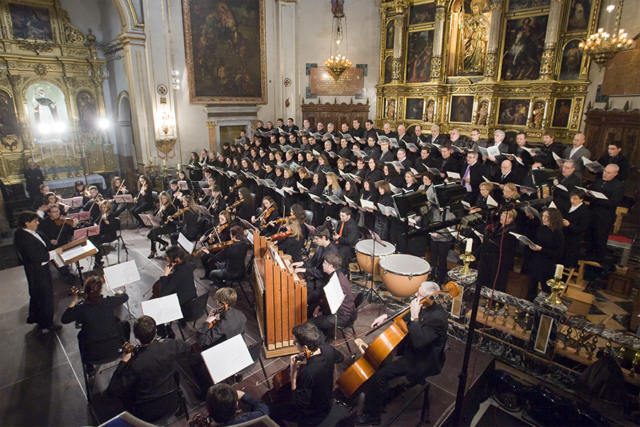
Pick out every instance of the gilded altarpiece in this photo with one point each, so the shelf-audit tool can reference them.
(494, 64)
(51, 94)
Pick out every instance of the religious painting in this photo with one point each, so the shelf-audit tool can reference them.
(419, 50)
(482, 114)
(579, 13)
(226, 54)
(391, 29)
(87, 110)
(47, 111)
(513, 112)
(8, 120)
(473, 38)
(30, 22)
(561, 113)
(571, 61)
(524, 42)
(422, 13)
(461, 109)
(414, 109)
(430, 111)
(388, 69)
(390, 110)
(526, 4)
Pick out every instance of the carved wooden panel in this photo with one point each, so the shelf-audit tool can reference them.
(335, 113)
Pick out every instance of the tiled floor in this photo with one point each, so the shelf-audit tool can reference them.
(41, 380)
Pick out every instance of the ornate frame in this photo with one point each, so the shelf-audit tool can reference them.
(193, 98)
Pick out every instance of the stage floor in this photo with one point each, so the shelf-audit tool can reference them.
(41, 380)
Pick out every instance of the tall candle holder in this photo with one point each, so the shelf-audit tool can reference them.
(467, 258)
(164, 170)
(557, 287)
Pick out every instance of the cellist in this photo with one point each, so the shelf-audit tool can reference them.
(422, 354)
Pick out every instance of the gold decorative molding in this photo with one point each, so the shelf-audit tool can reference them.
(212, 124)
(547, 63)
(491, 65)
(396, 71)
(436, 65)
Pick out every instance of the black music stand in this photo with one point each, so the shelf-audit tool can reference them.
(372, 257)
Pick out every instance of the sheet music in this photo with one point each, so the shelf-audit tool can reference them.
(182, 185)
(367, 204)
(523, 239)
(77, 251)
(227, 358)
(163, 310)
(493, 151)
(119, 275)
(491, 202)
(453, 175)
(185, 243)
(302, 187)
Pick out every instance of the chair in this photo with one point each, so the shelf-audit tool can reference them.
(113, 343)
(255, 351)
(193, 310)
(248, 272)
(162, 408)
(309, 215)
(424, 388)
(119, 241)
(357, 302)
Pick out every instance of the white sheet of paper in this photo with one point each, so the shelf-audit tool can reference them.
(491, 202)
(163, 310)
(227, 358)
(367, 204)
(119, 275)
(522, 238)
(185, 243)
(453, 175)
(493, 151)
(334, 293)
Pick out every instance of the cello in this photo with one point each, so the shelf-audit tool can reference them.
(364, 368)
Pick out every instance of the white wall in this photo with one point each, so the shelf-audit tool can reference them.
(631, 23)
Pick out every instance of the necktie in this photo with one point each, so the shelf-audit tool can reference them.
(466, 175)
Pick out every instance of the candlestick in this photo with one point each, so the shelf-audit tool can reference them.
(469, 245)
(164, 162)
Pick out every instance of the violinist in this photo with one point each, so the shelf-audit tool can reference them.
(312, 387)
(144, 199)
(108, 230)
(269, 213)
(233, 257)
(320, 314)
(93, 205)
(177, 278)
(293, 241)
(422, 352)
(59, 232)
(95, 314)
(81, 191)
(38, 200)
(189, 224)
(222, 407)
(300, 215)
(220, 325)
(152, 373)
(49, 200)
(117, 188)
(182, 176)
(218, 234)
(174, 192)
(246, 208)
(163, 213)
(216, 203)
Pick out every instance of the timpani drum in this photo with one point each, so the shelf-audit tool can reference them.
(364, 250)
(403, 274)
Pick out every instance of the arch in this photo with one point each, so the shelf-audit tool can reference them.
(128, 15)
(124, 107)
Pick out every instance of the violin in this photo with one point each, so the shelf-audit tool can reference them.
(86, 192)
(264, 215)
(218, 311)
(282, 378)
(76, 292)
(364, 368)
(62, 221)
(234, 205)
(216, 231)
(128, 348)
(280, 236)
(177, 214)
(214, 248)
(142, 192)
(281, 221)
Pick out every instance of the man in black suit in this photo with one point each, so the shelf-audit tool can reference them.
(356, 130)
(401, 155)
(577, 152)
(498, 141)
(57, 235)
(425, 160)
(370, 131)
(603, 212)
(404, 139)
(346, 237)
(34, 178)
(569, 181)
(312, 269)
(92, 205)
(472, 177)
(423, 353)
(545, 159)
(291, 128)
(233, 257)
(152, 373)
(506, 174)
(447, 163)
(34, 255)
(436, 137)
(386, 131)
(386, 155)
(614, 155)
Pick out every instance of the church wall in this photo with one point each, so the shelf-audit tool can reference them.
(631, 23)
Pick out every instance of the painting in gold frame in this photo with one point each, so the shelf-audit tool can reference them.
(513, 112)
(461, 109)
(523, 45)
(222, 38)
(422, 13)
(419, 52)
(571, 61)
(561, 113)
(414, 109)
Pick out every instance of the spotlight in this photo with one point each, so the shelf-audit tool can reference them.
(44, 128)
(59, 127)
(103, 123)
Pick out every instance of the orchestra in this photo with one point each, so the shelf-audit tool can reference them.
(315, 198)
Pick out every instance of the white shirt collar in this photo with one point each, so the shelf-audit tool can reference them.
(573, 208)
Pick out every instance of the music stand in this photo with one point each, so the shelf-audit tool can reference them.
(372, 257)
(74, 252)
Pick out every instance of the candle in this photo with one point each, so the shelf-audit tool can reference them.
(73, 147)
(469, 245)
(67, 150)
(164, 162)
(178, 167)
(41, 153)
(33, 157)
(559, 268)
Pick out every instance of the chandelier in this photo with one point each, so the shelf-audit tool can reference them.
(602, 46)
(337, 63)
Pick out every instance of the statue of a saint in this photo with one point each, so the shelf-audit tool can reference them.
(45, 110)
(475, 36)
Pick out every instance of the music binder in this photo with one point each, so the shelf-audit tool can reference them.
(75, 251)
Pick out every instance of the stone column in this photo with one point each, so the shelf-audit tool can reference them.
(286, 98)
(551, 40)
(213, 136)
(491, 61)
(133, 43)
(438, 39)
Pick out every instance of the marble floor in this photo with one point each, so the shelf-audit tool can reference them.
(41, 379)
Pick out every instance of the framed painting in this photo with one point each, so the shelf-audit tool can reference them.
(388, 69)
(8, 119)
(571, 61)
(226, 51)
(579, 13)
(513, 112)
(87, 110)
(524, 42)
(414, 109)
(30, 22)
(461, 109)
(47, 110)
(422, 13)
(561, 113)
(389, 110)
(526, 4)
(419, 52)
(391, 29)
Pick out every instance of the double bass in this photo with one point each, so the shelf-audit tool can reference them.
(364, 368)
